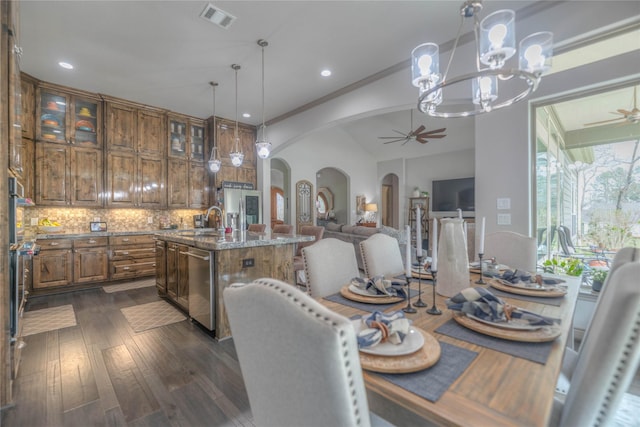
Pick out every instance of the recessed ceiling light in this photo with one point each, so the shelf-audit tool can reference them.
(325, 73)
(65, 65)
(246, 115)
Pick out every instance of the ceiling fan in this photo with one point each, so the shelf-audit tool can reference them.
(628, 117)
(417, 134)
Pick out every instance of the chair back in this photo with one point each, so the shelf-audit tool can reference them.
(329, 265)
(513, 249)
(564, 240)
(610, 351)
(299, 360)
(282, 229)
(258, 228)
(381, 256)
(309, 230)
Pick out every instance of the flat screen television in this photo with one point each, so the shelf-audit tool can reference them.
(449, 195)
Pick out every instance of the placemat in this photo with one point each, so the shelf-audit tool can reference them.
(433, 382)
(364, 306)
(535, 352)
(557, 301)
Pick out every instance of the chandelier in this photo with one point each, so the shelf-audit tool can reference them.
(263, 146)
(236, 156)
(495, 43)
(214, 162)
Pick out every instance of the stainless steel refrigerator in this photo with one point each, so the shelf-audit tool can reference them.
(252, 200)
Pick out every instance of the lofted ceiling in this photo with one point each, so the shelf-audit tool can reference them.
(162, 53)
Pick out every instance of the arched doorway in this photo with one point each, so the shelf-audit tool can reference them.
(332, 197)
(280, 192)
(390, 201)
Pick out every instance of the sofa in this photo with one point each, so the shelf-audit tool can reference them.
(355, 234)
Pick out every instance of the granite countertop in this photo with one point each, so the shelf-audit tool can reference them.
(212, 240)
(73, 235)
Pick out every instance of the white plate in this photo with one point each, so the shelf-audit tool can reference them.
(530, 286)
(358, 291)
(513, 324)
(412, 343)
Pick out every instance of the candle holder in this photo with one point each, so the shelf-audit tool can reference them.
(419, 303)
(480, 281)
(409, 308)
(434, 309)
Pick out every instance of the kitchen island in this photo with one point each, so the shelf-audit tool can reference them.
(194, 266)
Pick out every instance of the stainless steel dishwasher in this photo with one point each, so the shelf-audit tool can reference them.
(201, 289)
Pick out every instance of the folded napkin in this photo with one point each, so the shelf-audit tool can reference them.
(526, 277)
(378, 285)
(481, 303)
(380, 327)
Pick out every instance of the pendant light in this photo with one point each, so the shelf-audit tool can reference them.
(214, 162)
(262, 145)
(236, 156)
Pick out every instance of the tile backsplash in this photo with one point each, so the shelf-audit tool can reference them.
(76, 220)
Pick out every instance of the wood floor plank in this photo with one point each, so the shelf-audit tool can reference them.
(198, 407)
(34, 354)
(114, 417)
(108, 398)
(156, 419)
(78, 383)
(134, 395)
(90, 414)
(54, 393)
(30, 407)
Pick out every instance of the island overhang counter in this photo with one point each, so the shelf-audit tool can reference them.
(194, 266)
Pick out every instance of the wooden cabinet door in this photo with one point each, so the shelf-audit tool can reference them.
(28, 150)
(172, 270)
(177, 183)
(151, 132)
(86, 122)
(121, 179)
(86, 177)
(183, 277)
(198, 188)
(120, 126)
(52, 124)
(248, 144)
(226, 141)
(52, 268)
(28, 107)
(151, 182)
(90, 265)
(52, 184)
(161, 267)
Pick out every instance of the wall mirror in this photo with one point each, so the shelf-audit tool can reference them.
(324, 202)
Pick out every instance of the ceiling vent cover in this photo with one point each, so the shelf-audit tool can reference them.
(219, 17)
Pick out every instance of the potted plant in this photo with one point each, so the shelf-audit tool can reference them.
(597, 279)
(567, 266)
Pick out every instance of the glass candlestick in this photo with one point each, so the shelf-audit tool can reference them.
(480, 281)
(434, 309)
(419, 303)
(409, 308)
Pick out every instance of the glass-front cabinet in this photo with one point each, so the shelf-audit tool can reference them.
(186, 138)
(68, 119)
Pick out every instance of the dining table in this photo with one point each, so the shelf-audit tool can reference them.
(494, 387)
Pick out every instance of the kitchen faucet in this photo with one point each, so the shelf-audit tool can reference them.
(222, 219)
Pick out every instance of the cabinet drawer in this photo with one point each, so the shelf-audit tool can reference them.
(90, 242)
(141, 239)
(128, 269)
(46, 244)
(128, 253)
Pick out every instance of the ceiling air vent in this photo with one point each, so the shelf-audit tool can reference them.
(219, 17)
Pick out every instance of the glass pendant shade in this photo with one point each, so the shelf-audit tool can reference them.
(263, 146)
(536, 51)
(497, 38)
(425, 65)
(485, 91)
(214, 163)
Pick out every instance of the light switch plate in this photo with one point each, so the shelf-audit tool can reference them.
(504, 203)
(149, 220)
(34, 221)
(504, 219)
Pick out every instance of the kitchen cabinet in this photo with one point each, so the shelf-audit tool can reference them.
(53, 266)
(151, 134)
(65, 117)
(68, 176)
(135, 181)
(225, 136)
(28, 88)
(120, 126)
(198, 186)
(177, 183)
(161, 267)
(178, 274)
(90, 260)
(132, 256)
(186, 137)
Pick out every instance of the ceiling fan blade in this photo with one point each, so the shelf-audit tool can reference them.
(425, 135)
(391, 137)
(422, 141)
(604, 121)
(396, 140)
(417, 131)
(623, 111)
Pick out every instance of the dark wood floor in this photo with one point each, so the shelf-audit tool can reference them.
(102, 373)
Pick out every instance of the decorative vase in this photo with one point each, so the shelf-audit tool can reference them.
(453, 264)
(416, 192)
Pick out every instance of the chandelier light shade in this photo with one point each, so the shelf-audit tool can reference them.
(214, 163)
(263, 146)
(237, 157)
(493, 85)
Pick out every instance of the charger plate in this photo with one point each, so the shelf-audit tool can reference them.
(544, 292)
(422, 274)
(423, 358)
(348, 294)
(544, 334)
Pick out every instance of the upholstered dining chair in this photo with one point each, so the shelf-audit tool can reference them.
(513, 249)
(282, 229)
(329, 265)
(258, 228)
(600, 372)
(381, 256)
(299, 360)
(298, 264)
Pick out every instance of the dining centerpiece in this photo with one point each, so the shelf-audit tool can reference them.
(453, 266)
